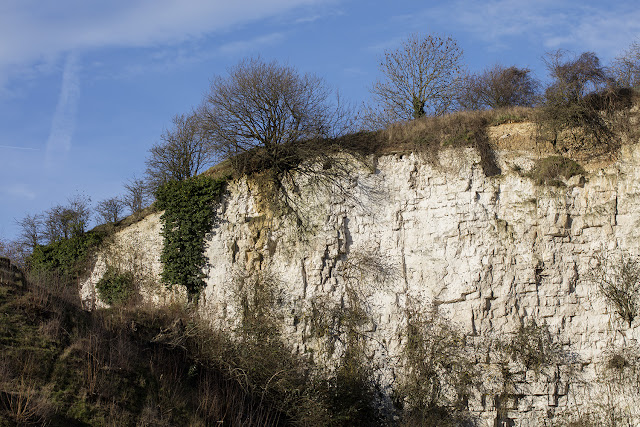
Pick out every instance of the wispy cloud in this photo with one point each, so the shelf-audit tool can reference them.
(319, 16)
(570, 24)
(20, 191)
(64, 119)
(243, 46)
(34, 32)
(14, 147)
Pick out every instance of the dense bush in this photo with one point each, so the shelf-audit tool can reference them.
(67, 257)
(116, 287)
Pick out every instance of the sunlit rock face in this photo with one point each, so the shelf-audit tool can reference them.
(403, 233)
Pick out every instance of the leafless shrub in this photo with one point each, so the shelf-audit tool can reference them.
(626, 68)
(419, 79)
(570, 103)
(498, 87)
(111, 209)
(439, 371)
(618, 280)
(534, 346)
(15, 251)
(351, 387)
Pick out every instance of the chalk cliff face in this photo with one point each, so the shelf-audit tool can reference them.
(401, 232)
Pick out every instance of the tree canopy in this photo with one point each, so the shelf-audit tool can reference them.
(419, 78)
(266, 105)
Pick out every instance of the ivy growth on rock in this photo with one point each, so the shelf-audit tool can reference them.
(189, 214)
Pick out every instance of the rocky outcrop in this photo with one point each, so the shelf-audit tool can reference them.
(400, 233)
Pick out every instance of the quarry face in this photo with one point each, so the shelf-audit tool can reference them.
(397, 235)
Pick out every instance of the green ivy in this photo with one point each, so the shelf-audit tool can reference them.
(67, 257)
(189, 214)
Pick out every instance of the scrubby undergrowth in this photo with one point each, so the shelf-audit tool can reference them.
(63, 366)
(60, 365)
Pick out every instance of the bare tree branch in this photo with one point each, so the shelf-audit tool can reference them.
(183, 152)
(419, 78)
(268, 106)
(110, 210)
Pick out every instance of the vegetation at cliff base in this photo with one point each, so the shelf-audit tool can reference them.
(62, 366)
(115, 287)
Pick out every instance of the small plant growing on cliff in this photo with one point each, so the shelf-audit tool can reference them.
(549, 169)
(259, 298)
(618, 281)
(533, 345)
(116, 287)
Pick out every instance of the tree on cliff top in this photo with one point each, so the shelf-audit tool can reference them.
(419, 78)
(269, 106)
(66, 221)
(182, 152)
(574, 100)
(498, 87)
(626, 67)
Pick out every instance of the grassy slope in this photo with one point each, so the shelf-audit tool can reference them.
(62, 366)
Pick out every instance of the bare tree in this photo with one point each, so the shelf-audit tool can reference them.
(577, 98)
(419, 78)
(574, 78)
(183, 152)
(110, 210)
(626, 68)
(498, 87)
(137, 195)
(14, 250)
(31, 231)
(268, 106)
(65, 221)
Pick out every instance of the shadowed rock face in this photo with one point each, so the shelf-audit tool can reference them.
(400, 234)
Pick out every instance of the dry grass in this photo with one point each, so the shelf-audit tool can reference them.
(429, 135)
(127, 366)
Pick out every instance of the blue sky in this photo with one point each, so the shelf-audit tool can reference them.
(87, 86)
